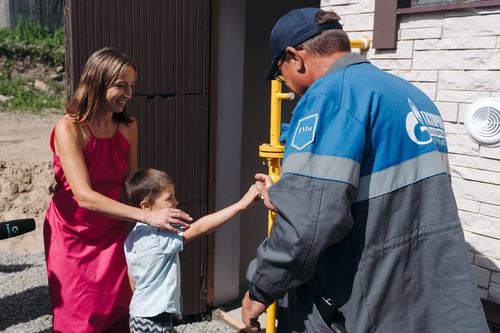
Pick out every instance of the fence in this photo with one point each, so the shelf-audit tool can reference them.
(47, 13)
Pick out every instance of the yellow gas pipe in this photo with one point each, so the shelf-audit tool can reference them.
(273, 152)
(363, 43)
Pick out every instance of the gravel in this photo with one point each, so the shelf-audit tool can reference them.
(24, 295)
(24, 299)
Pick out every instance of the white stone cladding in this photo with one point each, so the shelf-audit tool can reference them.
(454, 57)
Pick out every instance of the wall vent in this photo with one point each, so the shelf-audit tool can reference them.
(482, 122)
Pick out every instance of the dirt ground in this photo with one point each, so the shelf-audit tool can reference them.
(26, 175)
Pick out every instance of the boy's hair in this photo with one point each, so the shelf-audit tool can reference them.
(145, 184)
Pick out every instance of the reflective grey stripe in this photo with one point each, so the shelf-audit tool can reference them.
(324, 167)
(401, 175)
(382, 182)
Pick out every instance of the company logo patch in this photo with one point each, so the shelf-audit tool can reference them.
(305, 132)
(425, 127)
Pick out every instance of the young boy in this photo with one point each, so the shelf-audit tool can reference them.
(153, 253)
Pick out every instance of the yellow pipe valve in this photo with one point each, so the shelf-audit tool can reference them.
(270, 151)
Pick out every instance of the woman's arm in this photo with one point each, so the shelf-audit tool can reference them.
(132, 282)
(69, 142)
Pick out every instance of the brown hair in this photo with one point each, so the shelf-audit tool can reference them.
(102, 70)
(145, 184)
(328, 41)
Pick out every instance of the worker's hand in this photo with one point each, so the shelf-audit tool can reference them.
(168, 218)
(263, 183)
(250, 312)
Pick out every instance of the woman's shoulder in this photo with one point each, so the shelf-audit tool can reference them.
(67, 125)
(66, 121)
(129, 130)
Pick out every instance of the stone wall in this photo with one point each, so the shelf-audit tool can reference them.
(454, 57)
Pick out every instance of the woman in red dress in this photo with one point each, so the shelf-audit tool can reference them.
(94, 148)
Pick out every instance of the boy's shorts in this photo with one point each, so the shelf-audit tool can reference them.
(161, 323)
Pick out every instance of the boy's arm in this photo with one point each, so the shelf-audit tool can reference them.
(209, 223)
(132, 282)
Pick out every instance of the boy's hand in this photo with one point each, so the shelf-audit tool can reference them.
(263, 183)
(250, 197)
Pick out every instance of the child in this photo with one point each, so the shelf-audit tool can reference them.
(153, 253)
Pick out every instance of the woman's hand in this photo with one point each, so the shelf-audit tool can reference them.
(168, 218)
(262, 184)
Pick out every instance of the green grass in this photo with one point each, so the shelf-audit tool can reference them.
(24, 97)
(29, 40)
(28, 53)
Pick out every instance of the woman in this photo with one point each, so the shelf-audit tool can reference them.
(95, 148)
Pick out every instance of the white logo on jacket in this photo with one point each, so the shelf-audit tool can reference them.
(424, 127)
(305, 132)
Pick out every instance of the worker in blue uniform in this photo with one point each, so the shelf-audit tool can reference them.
(367, 236)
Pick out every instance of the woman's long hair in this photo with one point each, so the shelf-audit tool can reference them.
(102, 70)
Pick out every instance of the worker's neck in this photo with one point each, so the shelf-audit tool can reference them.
(324, 63)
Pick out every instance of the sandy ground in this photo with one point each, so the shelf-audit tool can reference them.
(26, 175)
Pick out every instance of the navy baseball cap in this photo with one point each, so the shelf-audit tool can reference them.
(293, 29)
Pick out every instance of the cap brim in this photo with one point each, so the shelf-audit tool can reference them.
(272, 71)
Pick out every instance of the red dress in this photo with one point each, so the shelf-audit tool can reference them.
(86, 267)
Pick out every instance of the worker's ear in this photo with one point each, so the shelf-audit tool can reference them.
(295, 58)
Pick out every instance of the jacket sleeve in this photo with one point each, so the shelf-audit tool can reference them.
(312, 215)
(321, 167)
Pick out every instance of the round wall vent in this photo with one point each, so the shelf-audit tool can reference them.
(482, 122)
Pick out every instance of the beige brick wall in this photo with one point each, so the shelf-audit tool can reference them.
(454, 58)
